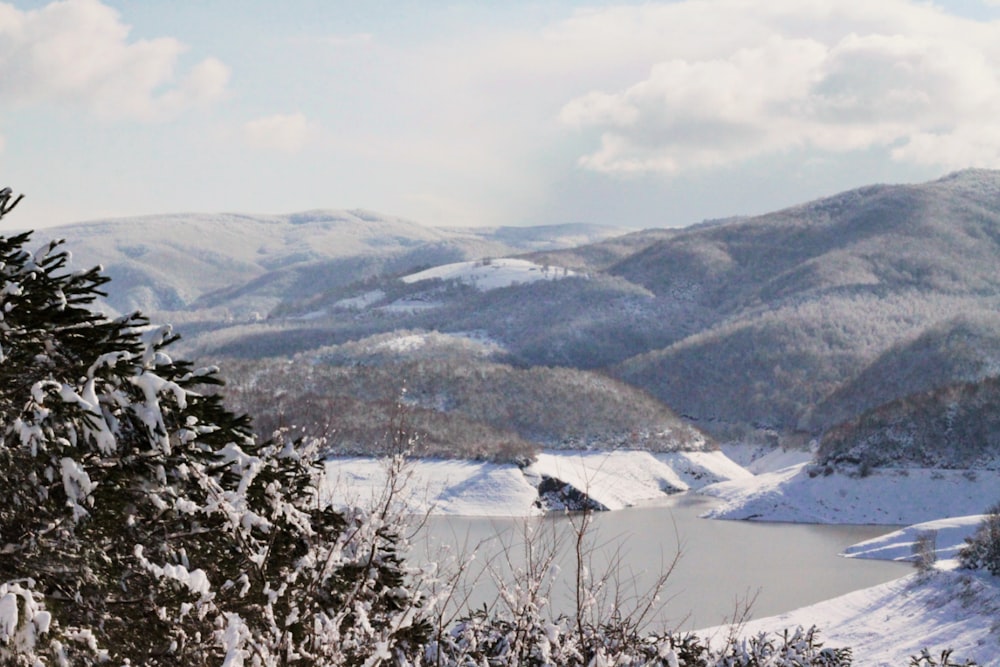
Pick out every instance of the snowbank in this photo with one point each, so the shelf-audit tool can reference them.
(949, 535)
(763, 458)
(614, 479)
(885, 497)
(442, 487)
(886, 624)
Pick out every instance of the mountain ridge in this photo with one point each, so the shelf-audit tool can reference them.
(774, 327)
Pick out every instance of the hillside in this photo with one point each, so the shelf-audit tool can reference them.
(965, 348)
(242, 266)
(954, 426)
(453, 398)
(768, 328)
(799, 303)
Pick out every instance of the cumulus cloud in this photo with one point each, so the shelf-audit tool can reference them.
(78, 52)
(827, 75)
(287, 133)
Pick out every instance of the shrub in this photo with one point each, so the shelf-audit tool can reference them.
(982, 550)
(925, 551)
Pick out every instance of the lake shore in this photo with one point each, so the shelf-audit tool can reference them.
(884, 624)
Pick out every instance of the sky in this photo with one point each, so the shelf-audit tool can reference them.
(521, 112)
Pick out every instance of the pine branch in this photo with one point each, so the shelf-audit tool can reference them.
(6, 205)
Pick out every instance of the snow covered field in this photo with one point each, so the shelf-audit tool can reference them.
(885, 497)
(471, 488)
(885, 625)
(496, 273)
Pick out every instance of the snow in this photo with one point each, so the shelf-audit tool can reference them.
(406, 343)
(620, 479)
(470, 488)
(491, 274)
(440, 486)
(361, 301)
(886, 624)
(949, 535)
(885, 497)
(409, 305)
(761, 458)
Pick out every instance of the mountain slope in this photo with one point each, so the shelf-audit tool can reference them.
(955, 426)
(250, 263)
(801, 301)
(775, 326)
(455, 397)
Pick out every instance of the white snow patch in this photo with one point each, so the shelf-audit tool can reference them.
(361, 301)
(614, 479)
(758, 458)
(485, 275)
(409, 305)
(698, 469)
(406, 343)
(885, 625)
(620, 479)
(885, 497)
(443, 487)
(949, 535)
(470, 488)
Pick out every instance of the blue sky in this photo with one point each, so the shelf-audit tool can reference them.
(486, 113)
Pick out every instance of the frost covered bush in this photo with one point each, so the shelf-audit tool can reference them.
(141, 523)
(926, 659)
(479, 640)
(982, 550)
(924, 551)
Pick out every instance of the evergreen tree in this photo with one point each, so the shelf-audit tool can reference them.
(141, 522)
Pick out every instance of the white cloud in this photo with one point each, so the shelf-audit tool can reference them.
(829, 75)
(78, 52)
(287, 133)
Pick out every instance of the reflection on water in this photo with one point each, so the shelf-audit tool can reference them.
(722, 563)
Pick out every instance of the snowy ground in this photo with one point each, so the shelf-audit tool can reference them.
(761, 458)
(888, 497)
(471, 488)
(885, 625)
(949, 536)
(502, 272)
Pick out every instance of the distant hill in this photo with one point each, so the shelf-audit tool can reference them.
(775, 327)
(454, 398)
(965, 348)
(798, 304)
(955, 426)
(242, 266)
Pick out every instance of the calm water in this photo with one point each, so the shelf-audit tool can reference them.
(784, 566)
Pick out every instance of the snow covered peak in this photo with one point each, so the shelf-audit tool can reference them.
(490, 274)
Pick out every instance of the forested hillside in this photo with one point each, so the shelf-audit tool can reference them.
(774, 327)
(452, 398)
(799, 303)
(954, 426)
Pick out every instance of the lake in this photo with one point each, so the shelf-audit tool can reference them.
(722, 564)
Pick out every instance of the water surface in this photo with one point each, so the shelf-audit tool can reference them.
(721, 565)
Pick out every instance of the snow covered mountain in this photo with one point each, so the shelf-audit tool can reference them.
(775, 327)
(247, 264)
